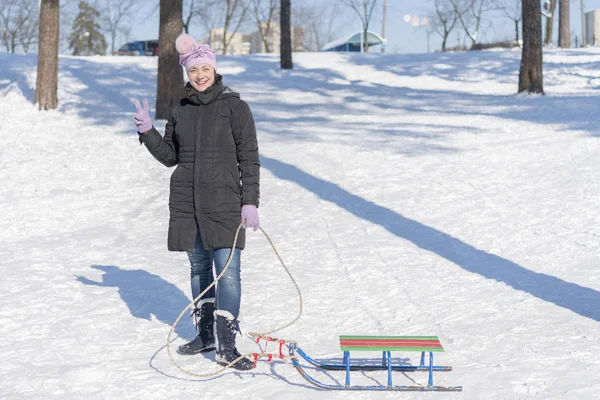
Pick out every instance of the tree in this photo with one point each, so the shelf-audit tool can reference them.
(443, 20)
(18, 23)
(530, 75)
(585, 40)
(86, 38)
(170, 74)
(47, 71)
(512, 9)
(69, 10)
(364, 9)
(8, 9)
(265, 13)
(285, 48)
(318, 20)
(470, 14)
(228, 15)
(191, 13)
(550, 23)
(564, 38)
(28, 33)
(115, 17)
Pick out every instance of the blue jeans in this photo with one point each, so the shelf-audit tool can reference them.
(228, 288)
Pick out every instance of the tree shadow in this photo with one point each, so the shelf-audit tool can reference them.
(578, 299)
(146, 294)
(289, 120)
(101, 90)
(15, 68)
(328, 84)
(573, 110)
(108, 89)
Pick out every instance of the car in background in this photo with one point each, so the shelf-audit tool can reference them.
(139, 48)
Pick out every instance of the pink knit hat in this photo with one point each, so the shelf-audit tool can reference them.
(193, 53)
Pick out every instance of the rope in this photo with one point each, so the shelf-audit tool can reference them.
(255, 335)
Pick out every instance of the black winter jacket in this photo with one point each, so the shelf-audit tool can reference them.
(211, 138)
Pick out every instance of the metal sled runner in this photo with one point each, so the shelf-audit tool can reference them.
(385, 344)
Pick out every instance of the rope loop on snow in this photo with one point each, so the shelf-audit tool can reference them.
(254, 335)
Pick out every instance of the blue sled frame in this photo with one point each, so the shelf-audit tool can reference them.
(385, 365)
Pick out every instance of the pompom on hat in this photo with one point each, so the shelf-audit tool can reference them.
(192, 53)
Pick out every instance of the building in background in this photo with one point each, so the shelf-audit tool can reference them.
(239, 43)
(273, 36)
(353, 42)
(592, 28)
(298, 38)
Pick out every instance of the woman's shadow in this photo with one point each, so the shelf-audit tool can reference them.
(146, 294)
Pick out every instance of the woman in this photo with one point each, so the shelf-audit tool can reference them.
(211, 138)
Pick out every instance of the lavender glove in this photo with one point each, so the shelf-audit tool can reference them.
(250, 216)
(142, 118)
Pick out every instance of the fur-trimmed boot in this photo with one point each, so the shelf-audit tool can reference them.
(227, 327)
(205, 341)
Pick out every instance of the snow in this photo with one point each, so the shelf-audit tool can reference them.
(408, 195)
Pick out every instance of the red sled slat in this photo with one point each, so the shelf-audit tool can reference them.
(391, 343)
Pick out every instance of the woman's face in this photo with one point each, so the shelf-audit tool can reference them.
(201, 76)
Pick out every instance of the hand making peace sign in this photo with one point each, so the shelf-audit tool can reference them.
(142, 117)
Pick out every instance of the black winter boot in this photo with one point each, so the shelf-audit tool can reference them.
(205, 341)
(226, 351)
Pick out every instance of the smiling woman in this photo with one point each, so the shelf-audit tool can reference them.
(201, 77)
(211, 138)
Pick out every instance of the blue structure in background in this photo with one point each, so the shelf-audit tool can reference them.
(352, 42)
(139, 48)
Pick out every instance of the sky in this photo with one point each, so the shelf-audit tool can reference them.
(402, 37)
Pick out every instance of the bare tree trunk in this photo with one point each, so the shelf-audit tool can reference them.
(476, 9)
(585, 40)
(383, 27)
(364, 9)
(550, 23)
(170, 74)
(443, 20)
(260, 18)
(265, 36)
(319, 22)
(564, 39)
(116, 15)
(188, 18)
(29, 33)
(47, 73)
(286, 35)
(5, 22)
(228, 17)
(233, 12)
(531, 78)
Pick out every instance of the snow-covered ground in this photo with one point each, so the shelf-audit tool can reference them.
(409, 195)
